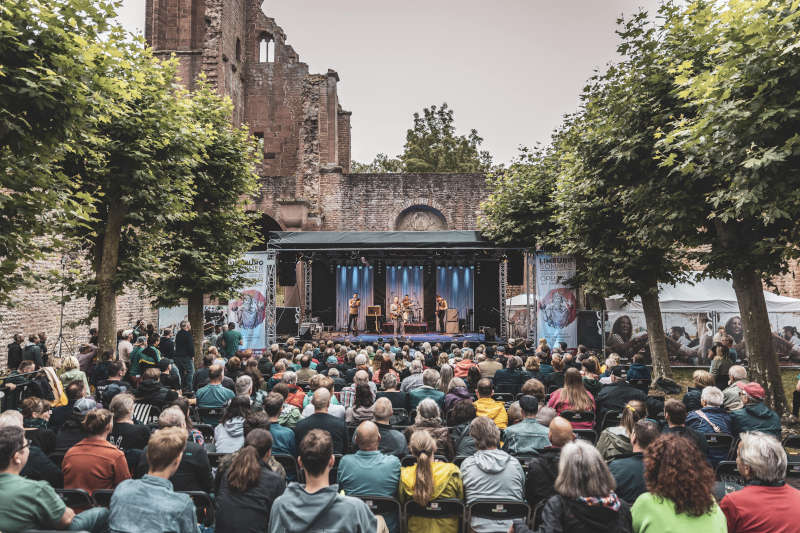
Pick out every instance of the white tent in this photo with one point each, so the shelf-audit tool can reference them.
(520, 301)
(705, 296)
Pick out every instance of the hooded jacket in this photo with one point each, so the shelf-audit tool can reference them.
(614, 442)
(492, 474)
(575, 516)
(756, 417)
(297, 511)
(229, 436)
(446, 484)
(493, 409)
(456, 395)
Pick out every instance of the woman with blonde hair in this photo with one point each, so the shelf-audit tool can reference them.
(616, 441)
(428, 480)
(573, 396)
(445, 377)
(70, 371)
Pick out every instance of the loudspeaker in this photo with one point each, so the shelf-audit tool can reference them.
(287, 320)
(516, 268)
(451, 315)
(304, 334)
(287, 273)
(490, 334)
(451, 327)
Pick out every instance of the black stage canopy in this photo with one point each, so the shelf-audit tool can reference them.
(297, 241)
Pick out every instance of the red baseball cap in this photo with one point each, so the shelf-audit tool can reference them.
(753, 389)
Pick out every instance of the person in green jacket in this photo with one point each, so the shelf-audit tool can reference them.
(754, 415)
(679, 493)
(231, 340)
(136, 354)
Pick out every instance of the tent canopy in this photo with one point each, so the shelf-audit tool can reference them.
(361, 240)
(520, 301)
(708, 295)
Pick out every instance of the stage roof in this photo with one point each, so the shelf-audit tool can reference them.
(381, 240)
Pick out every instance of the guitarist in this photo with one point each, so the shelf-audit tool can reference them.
(352, 321)
(396, 314)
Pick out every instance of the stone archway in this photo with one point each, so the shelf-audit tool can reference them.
(265, 224)
(420, 218)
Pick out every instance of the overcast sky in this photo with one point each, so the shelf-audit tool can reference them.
(510, 69)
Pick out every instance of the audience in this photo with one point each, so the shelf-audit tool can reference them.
(74, 392)
(321, 419)
(736, 374)
(296, 394)
(490, 473)
(485, 405)
(638, 370)
(36, 414)
(150, 503)
(675, 415)
(459, 419)
(457, 391)
(392, 442)
(126, 435)
(282, 437)
(528, 436)
(628, 471)
(229, 433)
(249, 488)
(39, 467)
(428, 480)
(711, 418)
(754, 414)
(543, 467)
(429, 419)
(414, 380)
(214, 395)
(679, 490)
(398, 398)
(429, 389)
(615, 395)
(701, 379)
(363, 406)
(73, 430)
(615, 441)
(318, 506)
(766, 503)
(152, 392)
(509, 380)
(489, 366)
(573, 397)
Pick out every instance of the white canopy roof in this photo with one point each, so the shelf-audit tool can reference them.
(520, 301)
(705, 296)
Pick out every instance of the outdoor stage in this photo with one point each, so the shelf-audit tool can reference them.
(468, 271)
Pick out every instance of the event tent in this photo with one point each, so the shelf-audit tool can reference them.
(705, 296)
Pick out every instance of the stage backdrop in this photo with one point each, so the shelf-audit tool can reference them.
(456, 285)
(248, 309)
(557, 305)
(350, 279)
(402, 280)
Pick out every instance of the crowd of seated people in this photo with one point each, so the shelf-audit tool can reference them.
(268, 436)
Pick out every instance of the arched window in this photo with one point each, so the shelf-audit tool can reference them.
(266, 49)
(421, 218)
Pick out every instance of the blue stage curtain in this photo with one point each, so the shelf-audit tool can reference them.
(350, 279)
(402, 280)
(456, 285)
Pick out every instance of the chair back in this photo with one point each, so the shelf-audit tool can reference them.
(610, 419)
(793, 474)
(214, 458)
(720, 441)
(203, 506)
(102, 497)
(578, 416)
(57, 458)
(76, 498)
(289, 464)
(586, 434)
(443, 508)
(499, 510)
(207, 430)
(382, 505)
(210, 415)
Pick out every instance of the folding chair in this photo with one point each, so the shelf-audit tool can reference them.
(102, 497)
(409, 460)
(57, 458)
(722, 442)
(210, 415)
(289, 464)
(444, 508)
(578, 416)
(76, 498)
(728, 472)
(793, 474)
(207, 430)
(215, 458)
(536, 518)
(586, 434)
(498, 510)
(203, 506)
(610, 419)
(382, 505)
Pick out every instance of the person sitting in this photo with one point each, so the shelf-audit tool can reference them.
(528, 436)
(711, 418)
(338, 382)
(573, 397)
(585, 501)
(458, 420)
(462, 368)
(314, 383)
(363, 406)
(721, 365)
(200, 378)
(165, 510)
(591, 375)
(73, 431)
(429, 389)
(615, 441)
(318, 506)
(290, 414)
(490, 474)
(282, 437)
(616, 394)
(214, 395)
(534, 387)
(679, 490)
(754, 414)
(348, 394)
(429, 418)
(456, 392)
(426, 481)
(249, 488)
(485, 405)
(152, 392)
(26, 504)
(489, 366)
(732, 400)
(305, 372)
(36, 412)
(543, 467)
(71, 372)
(628, 471)
(321, 419)
(509, 380)
(195, 435)
(369, 471)
(335, 408)
(675, 415)
(126, 435)
(515, 415)
(555, 379)
(296, 394)
(39, 467)
(360, 361)
(414, 380)
(194, 470)
(701, 379)
(638, 370)
(766, 503)
(392, 442)
(229, 433)
(94, 463)
(389, 384)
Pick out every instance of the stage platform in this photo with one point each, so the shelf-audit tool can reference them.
(413, 337)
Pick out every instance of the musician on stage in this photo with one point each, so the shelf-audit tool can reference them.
(352, 321)
(441, 312)
(396, 314)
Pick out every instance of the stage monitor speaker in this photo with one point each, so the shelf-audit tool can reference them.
(451, 315)
(451, 327)
(490, 334)
(287, 270)
(516, 268)
(304, 333)
(286, 320)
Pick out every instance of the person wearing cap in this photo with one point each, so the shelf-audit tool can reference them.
(170, 377)
(615, 395)
(754, 415)
(73, 431)
(527, 436)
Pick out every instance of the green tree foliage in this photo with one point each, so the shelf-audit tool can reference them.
(433, 146)
(206, 247)
(134, 163)
(47, 52)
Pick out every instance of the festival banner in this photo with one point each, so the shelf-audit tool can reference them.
(248, 308)
(556, 303)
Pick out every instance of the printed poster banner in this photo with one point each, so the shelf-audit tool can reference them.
(556, 303)
(248, 308)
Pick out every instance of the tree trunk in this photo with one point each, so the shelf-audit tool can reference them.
(106, 303)
(762, 361)
(197, 320)
(655, 333)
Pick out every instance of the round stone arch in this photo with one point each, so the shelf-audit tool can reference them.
(265, 224)
(420, 217)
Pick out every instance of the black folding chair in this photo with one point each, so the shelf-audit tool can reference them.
(443, 508)
(610, 419)
(289, 464)
(722, 442)
(382, 505)
(76, 498)
(498, 510)
(203, 506)
(207, 430)
(102, 497)
(57, 458)
(641, 384)
(508, 393)
(215, 458)
(586, 434)
(399, 417)
(576, 417)
(210, 415)
(409, 460)
(727, 471)
(793, 475)
(536, 519)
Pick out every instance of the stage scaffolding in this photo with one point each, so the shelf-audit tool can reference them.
(272, 297)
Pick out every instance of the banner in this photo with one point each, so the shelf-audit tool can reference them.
(556, 303)
(248, 309)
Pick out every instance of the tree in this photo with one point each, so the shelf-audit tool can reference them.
(46, 53)
(206, 247)
(433, 146)
(741, 152)
(133, 164)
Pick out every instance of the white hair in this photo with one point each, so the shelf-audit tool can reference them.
(712, 396)
(737, 372)
(361, 359)
(764, 456)
(243, 385)
(289, 377)
(10, 418)
(416, 366)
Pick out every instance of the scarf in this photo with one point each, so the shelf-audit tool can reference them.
(609, 502)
